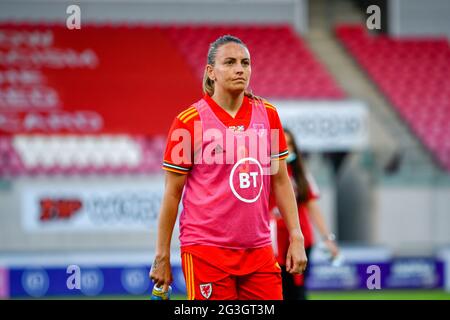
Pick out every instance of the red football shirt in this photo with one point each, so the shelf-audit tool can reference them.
(186, 119)
(233, 263)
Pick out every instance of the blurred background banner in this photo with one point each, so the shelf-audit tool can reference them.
(110, 280)
(89, 92)
(395, 274)
(93, 208)
(107, 280)
(327, 126)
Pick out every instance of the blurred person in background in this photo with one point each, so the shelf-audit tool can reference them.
(306, 193)
(225, 238)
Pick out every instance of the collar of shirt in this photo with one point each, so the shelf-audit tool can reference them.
(242, 117)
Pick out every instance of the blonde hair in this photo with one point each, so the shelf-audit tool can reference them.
(208, 84)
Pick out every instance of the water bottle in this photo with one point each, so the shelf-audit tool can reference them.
(159, 294)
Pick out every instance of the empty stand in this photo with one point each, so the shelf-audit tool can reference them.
(282, 66)
(142, 77)
(413, 73)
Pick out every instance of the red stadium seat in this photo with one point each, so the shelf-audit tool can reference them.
(278, 55)
(283, 67)
(414, 75)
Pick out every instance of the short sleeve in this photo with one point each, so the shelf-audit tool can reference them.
(178, 154)
(279, 149)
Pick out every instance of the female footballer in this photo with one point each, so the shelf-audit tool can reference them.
(222, 158)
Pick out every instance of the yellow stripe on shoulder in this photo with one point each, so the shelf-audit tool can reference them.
(269, 106)
(189, 116)
(184, 112)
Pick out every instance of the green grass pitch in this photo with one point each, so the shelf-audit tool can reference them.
(325, 295)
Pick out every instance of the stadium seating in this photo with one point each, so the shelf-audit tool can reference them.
(87, 154)
(283, 68)
(413, 74)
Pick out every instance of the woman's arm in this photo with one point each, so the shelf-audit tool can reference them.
(319, 222)
(161, 272)
(284, 194)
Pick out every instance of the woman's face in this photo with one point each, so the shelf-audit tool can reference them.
(232, 68)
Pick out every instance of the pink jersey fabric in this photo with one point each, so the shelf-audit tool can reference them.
(226, 205)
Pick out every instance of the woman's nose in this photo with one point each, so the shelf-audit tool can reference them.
(239, 68)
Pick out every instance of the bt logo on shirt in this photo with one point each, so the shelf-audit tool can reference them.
(246, 179)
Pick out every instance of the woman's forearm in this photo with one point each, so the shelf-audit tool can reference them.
(317, 218)
(167, 219)
(160, 272)
(168, 213)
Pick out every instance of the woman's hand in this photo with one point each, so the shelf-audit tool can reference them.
(296, 260)
(161, 272)
(332, 248)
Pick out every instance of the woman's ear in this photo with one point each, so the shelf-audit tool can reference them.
(210, 72)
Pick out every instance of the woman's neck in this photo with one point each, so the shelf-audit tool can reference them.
(228, 102)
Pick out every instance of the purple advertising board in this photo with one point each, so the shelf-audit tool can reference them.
(91, 281)
(405, 273)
